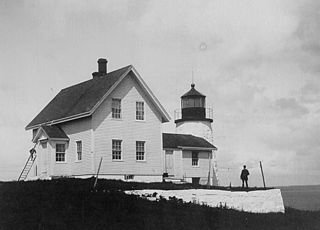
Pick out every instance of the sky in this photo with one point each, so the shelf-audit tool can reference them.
(257, 61)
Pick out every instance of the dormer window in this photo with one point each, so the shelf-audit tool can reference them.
(116, 108)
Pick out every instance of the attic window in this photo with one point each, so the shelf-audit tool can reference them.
(140, 110)
(116, 108)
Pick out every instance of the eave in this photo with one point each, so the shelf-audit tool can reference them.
(196, 148)
(58, 121)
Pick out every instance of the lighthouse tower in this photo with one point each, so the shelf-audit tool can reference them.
(196, 119)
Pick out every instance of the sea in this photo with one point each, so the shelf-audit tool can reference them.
(306, 197)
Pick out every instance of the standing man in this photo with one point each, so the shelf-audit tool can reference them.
(244, 176)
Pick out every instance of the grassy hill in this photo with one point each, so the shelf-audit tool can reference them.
(72, 204)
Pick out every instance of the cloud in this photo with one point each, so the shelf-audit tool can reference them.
(307, 36)
(308, 30)
(290, 107)
(227, 21)
(310, 93)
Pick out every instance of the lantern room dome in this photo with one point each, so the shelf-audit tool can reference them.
(193, 92)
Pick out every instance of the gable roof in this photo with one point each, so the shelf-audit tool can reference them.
(172, 140)
(52, 132)
(82, 99)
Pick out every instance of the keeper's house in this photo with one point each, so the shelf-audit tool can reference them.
(114, 117)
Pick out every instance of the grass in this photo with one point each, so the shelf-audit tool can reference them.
(71, 204)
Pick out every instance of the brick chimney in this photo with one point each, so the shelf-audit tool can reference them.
(102, 68)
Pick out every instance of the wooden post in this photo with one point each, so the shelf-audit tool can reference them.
(96, 181)
(209, 177)
(264, 183)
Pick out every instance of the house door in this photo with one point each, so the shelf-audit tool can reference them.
(44, 158)
(169, 162)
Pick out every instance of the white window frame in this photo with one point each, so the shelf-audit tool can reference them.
(141, 153)
(143, 111)
(116, 110)
(195, 160)
(116, 150)
(79, 150)
(59, 159)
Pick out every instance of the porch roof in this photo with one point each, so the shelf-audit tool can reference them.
(172, 140)
(54, 131)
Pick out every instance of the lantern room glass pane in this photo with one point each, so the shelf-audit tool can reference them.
(197, 102)
(192, 102)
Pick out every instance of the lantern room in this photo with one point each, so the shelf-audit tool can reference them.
(193, 107)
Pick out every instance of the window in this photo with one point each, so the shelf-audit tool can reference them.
(140, 151)
(116, 149)
(116, 108)
(139, 110)
(195, 158)
(79, 150)
(197, 102)
(60, 152)
(128, 177)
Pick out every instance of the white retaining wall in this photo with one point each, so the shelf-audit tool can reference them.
(262, 201)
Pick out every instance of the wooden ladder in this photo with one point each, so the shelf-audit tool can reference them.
(27, 167)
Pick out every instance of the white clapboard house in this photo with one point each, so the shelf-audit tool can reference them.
(114, 119)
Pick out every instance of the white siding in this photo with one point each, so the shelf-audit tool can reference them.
(78, 130)
(178, 160)
(201, 129)
(60, 168)
(97, 132)
(197, 128)
(127, 129)
(196, 171)
(75, 130)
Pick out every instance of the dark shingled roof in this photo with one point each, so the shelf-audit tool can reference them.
(77, 99)
(193, 92)
(172, 140)
(54, 131)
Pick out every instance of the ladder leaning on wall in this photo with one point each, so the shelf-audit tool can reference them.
(27, 167)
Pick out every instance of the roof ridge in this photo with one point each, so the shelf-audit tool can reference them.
(92, 79)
